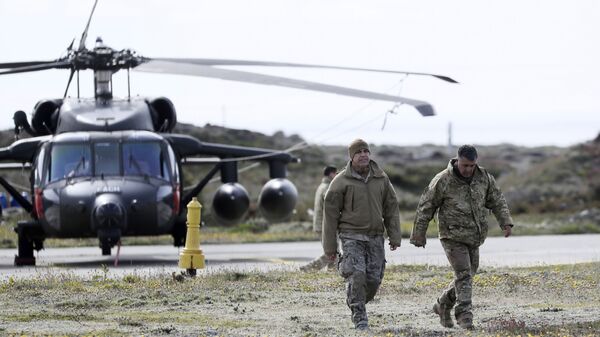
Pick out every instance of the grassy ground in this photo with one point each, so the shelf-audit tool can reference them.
(541, 301)
(526, 224)
(243, 233)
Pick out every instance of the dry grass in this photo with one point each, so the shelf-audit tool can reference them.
(541, 301)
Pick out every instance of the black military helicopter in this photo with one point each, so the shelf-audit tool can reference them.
(110, 167)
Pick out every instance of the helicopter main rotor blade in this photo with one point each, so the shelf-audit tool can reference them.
(166, 67)
(45, 66)
(225, 62)
(87, 27)
(10, 65)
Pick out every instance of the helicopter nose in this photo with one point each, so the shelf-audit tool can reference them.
(109, 215)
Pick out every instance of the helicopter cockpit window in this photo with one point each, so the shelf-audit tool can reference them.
(106, 159)
(173, 161)
(39, 167)
(144, 159)
(69, 161)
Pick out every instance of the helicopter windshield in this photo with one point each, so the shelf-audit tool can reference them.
(106, 158)
(144, 159)
(69, 161)
(109, 159)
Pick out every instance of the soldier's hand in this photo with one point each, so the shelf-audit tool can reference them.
(507, 231)
(393, 247)
(418, 241)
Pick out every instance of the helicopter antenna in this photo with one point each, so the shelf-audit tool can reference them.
(85, 31)
(78, 84)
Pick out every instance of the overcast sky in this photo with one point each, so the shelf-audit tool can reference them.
(529, 70)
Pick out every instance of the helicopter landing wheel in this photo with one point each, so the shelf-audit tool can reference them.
(191, 272)
(179, 241)
(106, 248)
(25, 251)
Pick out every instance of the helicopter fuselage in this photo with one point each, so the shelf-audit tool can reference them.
(106, 185)
(110, 168)
(105, 167)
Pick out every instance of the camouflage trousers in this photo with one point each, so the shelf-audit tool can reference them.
(362, 265)
(464, 259)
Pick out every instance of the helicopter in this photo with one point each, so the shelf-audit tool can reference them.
(108, 167)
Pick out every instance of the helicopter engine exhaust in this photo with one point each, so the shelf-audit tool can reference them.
(45, 116)
(164, 117)
(21, 123)
(108, 220)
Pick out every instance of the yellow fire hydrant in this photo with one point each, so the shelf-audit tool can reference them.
(191, 258)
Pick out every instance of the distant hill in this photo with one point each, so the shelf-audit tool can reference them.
(539, 179)
(566, 182)
(410, 168)
(218, 134)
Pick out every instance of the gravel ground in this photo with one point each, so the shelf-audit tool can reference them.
(550, 301)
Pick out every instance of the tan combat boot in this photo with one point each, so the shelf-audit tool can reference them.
(443, 310)
(314, 265)
(465, 320)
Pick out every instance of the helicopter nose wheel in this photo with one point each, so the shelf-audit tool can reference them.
(108, 239)
(106, 247)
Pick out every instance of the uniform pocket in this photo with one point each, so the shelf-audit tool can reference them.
(345, 266)
(349, 198)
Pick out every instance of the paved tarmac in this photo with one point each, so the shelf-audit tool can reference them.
(145, 260)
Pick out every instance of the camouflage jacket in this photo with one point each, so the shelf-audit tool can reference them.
(319, 199)
(462, 207)
(358, 206)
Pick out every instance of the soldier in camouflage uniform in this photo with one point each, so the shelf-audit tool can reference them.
(462, 194)
(322, 261)
(359, 206)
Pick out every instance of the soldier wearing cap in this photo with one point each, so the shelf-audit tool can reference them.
(360, 206)
(462, 196)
